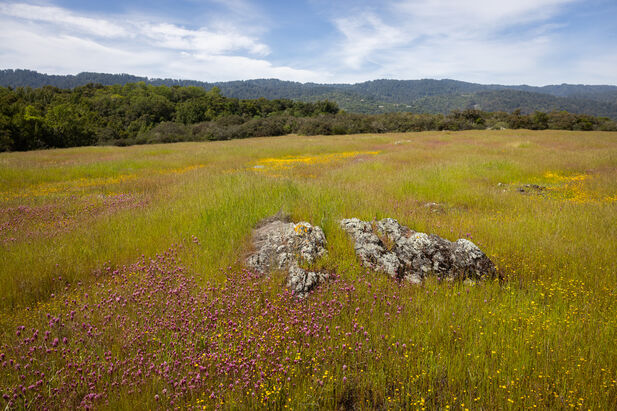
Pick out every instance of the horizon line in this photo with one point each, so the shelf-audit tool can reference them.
(148, 78)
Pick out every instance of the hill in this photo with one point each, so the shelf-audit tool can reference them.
(123, 277)
(372, 97)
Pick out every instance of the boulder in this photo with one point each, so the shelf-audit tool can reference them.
(408, 255)
(282, 245)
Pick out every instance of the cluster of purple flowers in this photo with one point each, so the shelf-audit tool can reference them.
(150, 331)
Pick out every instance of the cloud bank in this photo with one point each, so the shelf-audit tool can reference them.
(528, 41)
(55, 40)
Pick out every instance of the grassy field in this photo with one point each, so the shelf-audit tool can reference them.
(123, 286)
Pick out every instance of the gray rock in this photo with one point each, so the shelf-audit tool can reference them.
(282, 245)
(406, 254)
(370, 248)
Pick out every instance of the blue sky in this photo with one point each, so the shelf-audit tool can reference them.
(534, 42)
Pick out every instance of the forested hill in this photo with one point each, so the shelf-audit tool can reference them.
(135, 113)
(378, 96)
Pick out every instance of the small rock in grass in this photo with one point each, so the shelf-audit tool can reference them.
(434, 207)
(531, 188)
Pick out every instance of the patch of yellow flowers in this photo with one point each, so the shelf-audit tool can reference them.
(573, 189)
(282, 163)
(556, 177)
(68, 186)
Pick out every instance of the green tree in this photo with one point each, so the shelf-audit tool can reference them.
(70, 125)
(539, 121)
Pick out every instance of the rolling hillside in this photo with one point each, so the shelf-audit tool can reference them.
(377, 96)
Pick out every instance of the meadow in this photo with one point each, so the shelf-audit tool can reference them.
(122, 283)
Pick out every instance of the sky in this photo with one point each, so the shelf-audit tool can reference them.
(535, 42)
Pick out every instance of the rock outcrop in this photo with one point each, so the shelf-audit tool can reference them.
(283, 245)
(409, 255)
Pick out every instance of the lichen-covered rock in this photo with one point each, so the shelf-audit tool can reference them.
(370, 248)
(406, 254)
(283, 245)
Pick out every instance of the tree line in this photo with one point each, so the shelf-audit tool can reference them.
(123, 114)
(139, 113)
(371, 97)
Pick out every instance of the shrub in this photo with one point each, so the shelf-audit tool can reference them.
(166, 132)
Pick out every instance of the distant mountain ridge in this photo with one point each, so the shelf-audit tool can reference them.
(376, 96)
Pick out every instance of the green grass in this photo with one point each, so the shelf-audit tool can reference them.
(546, 334)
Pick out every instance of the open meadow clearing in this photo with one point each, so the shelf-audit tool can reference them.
(122, 280)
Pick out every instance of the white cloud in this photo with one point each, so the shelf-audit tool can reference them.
(63, 19)
(364, 34)
(24, 46)
(198, 66)
(598, 65)
(481, 40)
(55, 40)
(174, 37)
(486, 41)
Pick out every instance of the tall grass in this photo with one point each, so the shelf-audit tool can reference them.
(543, 337)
